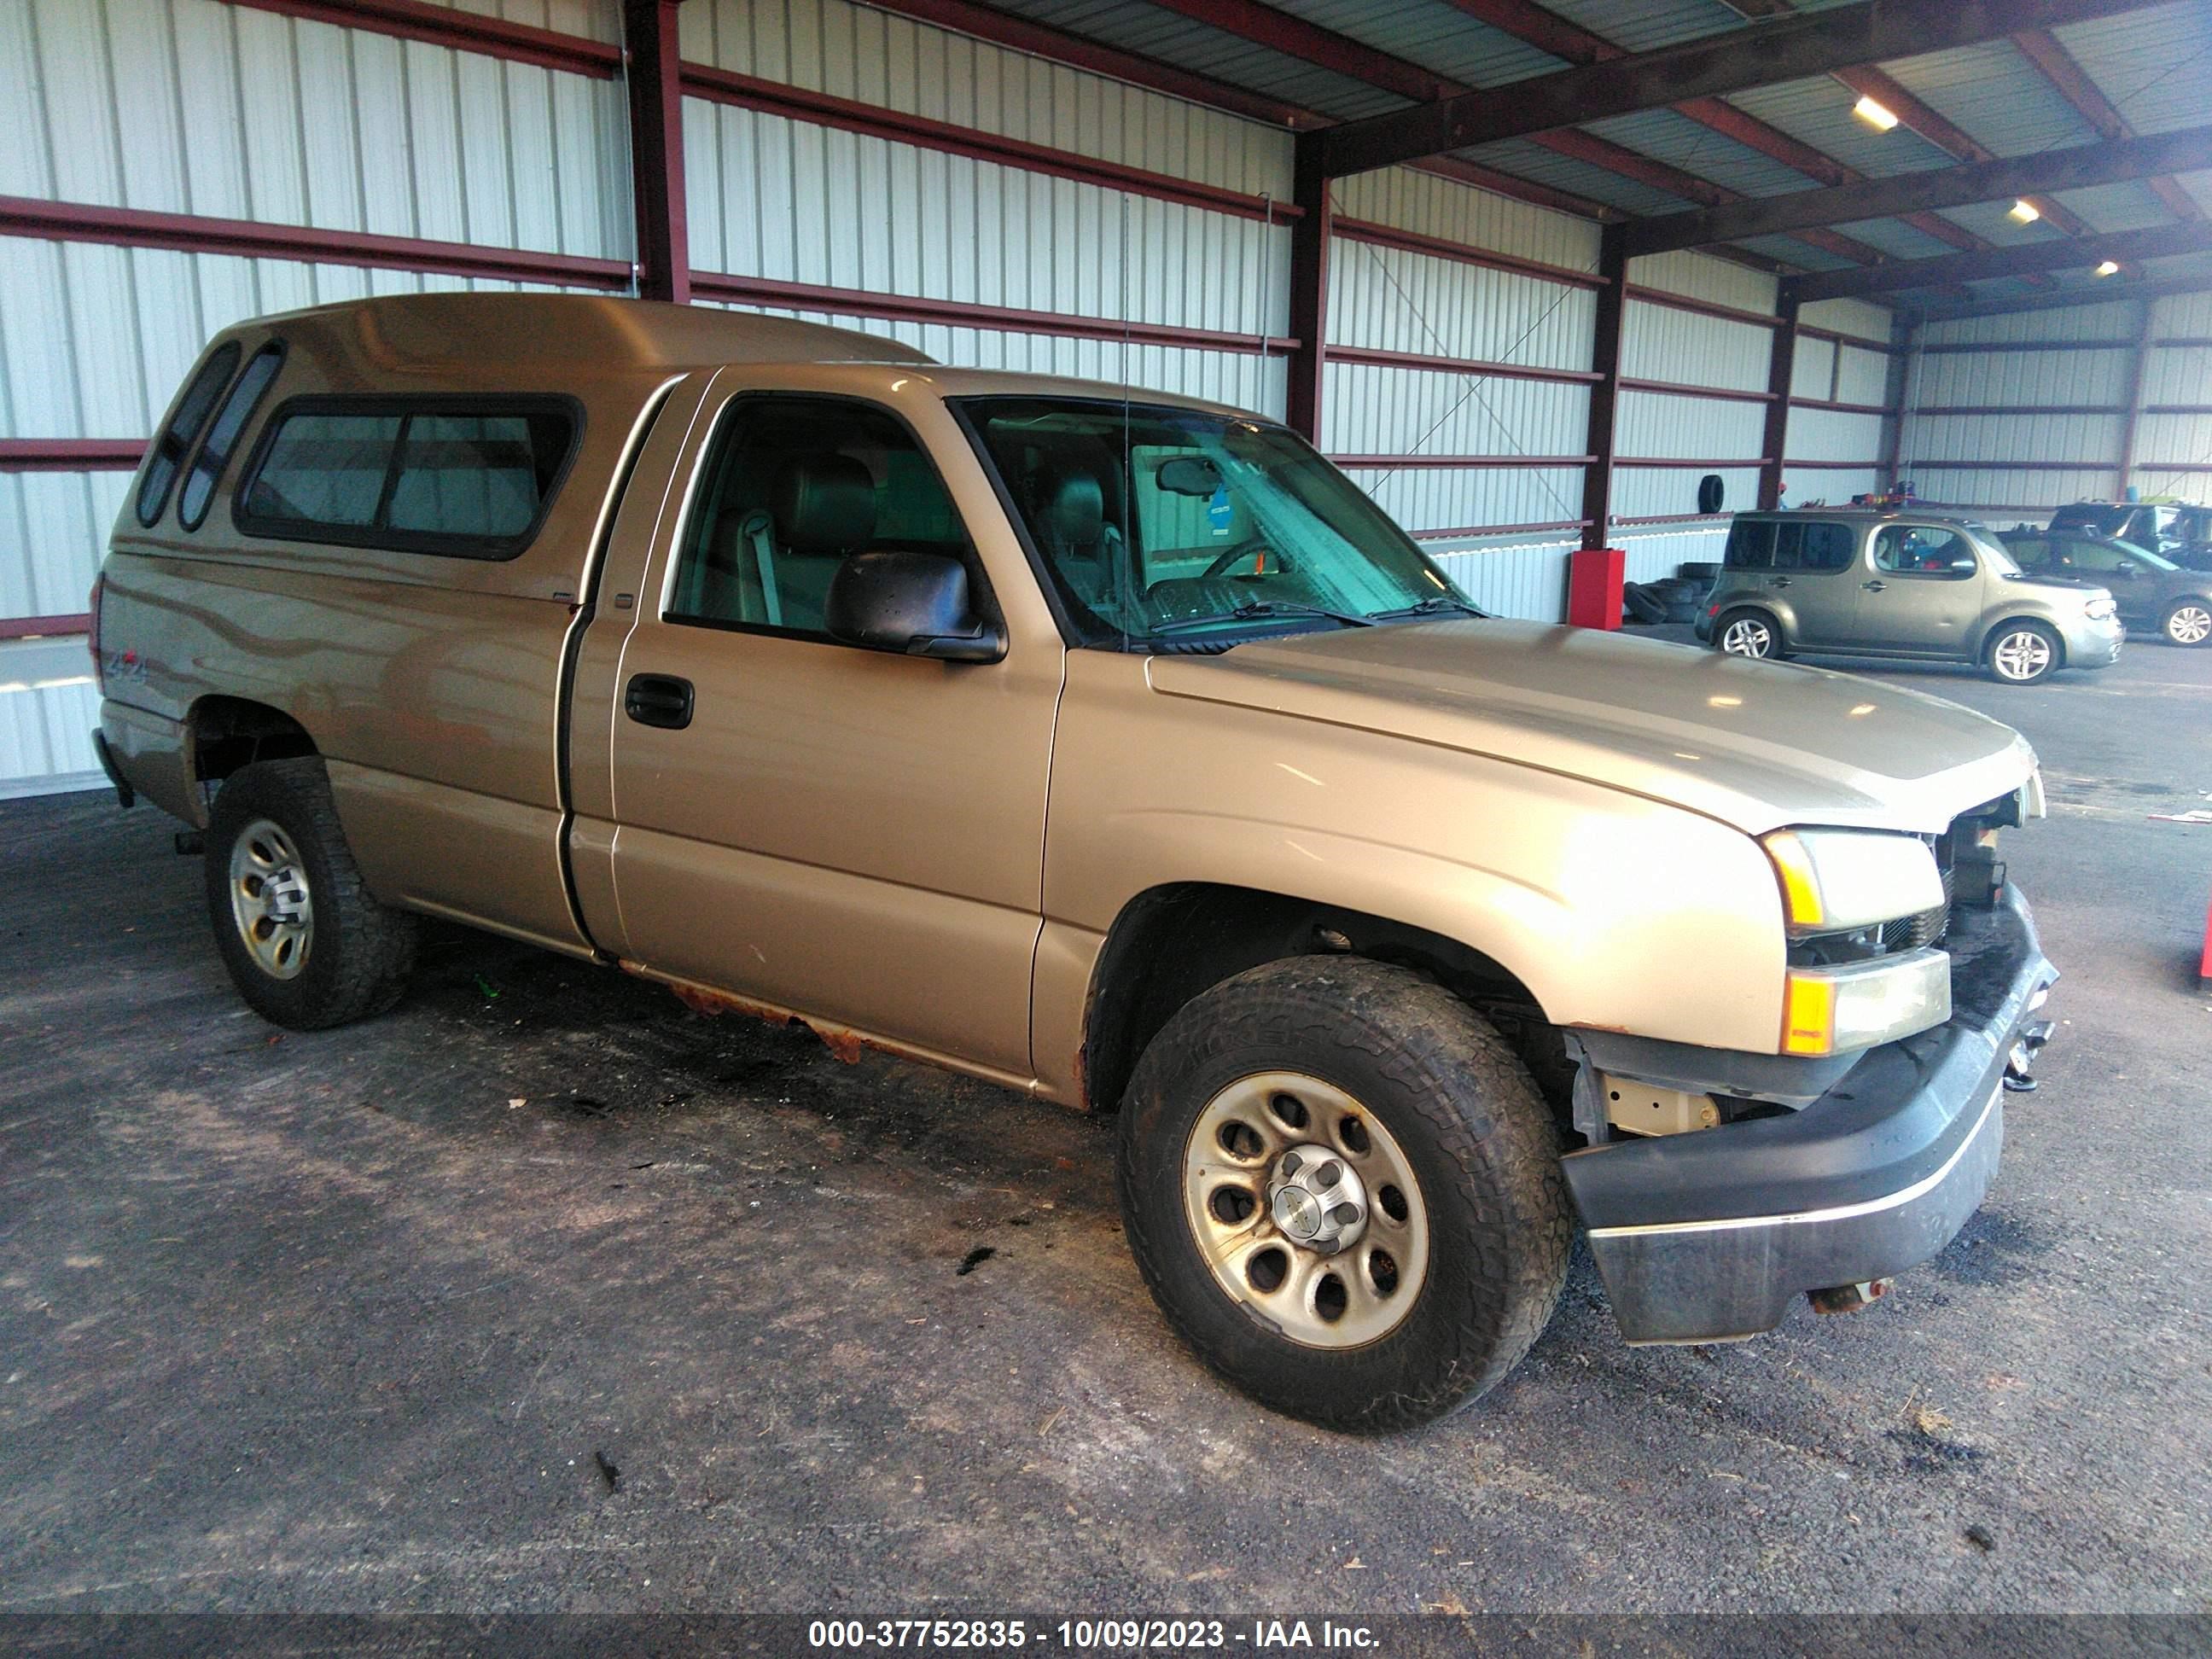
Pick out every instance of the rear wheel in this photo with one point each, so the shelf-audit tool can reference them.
(2022, 654)
(306, 944)
(1748, 634)
(1344, 1192)
(2189, 622)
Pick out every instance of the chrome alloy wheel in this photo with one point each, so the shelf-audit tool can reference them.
(1306, 1209)
(1747, 636)
(269, 900)
(2022, 655)
(2188, 624)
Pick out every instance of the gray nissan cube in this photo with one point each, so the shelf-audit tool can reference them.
(1867, 583)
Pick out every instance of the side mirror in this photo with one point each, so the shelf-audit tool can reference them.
(2124, 568)
(912, 603)
(1964, 565)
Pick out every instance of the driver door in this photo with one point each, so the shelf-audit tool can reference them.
(849, 834)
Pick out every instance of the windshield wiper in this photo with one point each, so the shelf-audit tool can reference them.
(1428, 607)
(1254, 610)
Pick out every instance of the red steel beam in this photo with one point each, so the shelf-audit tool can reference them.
(1781, 369)
(464, 31)
(1412, 241)
(70, 454)
(722, 86)
(656, 150)
(2128, 246)
(1480, 369)
(1453, 463)
(1604, 395)
(1309, 295)
(1468, 531)
(34, 628)
(960, 313)
(1549, 32)
(2043, 49)
(76, 221)
(1734, 60)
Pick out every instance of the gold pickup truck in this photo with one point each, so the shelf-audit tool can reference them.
(1109, 746)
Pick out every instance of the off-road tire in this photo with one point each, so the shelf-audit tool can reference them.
(1775, 651)
(1482, 1145)
(361, 952)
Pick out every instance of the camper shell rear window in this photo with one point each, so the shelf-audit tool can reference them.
(468, 477)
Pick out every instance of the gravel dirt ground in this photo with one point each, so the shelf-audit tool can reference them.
(546, 1293)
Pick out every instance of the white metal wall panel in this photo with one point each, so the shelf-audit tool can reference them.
(2178, 374)
(1524, 580)
(1643, 492)
(2115, 321)
(2042, 438)
(1237, 377)
(1432, 206)
(851, 52)
(2007, 379)
(2004, 496)
(1813, 369)
(1861, 316)
(1367, 410)
(1862, 377)
(195, 107)
(1669, 426)
(48, 708)
(1425, 499)
(1663, 343)
(1701, 276)
(794, 201)
(1833, 486)
(1828, 435)
(1385, 299)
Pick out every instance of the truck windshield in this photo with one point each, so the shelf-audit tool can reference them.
(1161, 524)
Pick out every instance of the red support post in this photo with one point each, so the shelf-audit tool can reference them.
(1604, 393)
(1781, 369)
(1310, 234)
(656, 148)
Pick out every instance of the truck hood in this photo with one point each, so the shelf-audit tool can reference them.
(1755, 744)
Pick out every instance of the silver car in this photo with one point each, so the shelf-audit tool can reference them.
(1884, 584)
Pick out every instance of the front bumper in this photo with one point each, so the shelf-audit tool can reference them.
(1710, 1235)
(2095, 644)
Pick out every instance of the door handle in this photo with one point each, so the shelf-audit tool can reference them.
(660, 700)
(1875, 587)
(1779, 581)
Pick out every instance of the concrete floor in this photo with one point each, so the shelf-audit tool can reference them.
(546, 1293)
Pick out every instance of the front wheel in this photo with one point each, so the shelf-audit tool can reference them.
(1344, 1192)
(2189, 622)
(1748, 634)
(2022, 654)
(306, 944)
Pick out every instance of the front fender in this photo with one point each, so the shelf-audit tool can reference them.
(1614, 910)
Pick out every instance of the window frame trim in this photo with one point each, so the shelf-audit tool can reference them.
(189, 442)
(484, 549)
(708, 452)
(275, 345)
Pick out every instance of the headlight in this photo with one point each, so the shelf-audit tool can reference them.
(1832, 1011)
(2098, 609)
(1833, 880)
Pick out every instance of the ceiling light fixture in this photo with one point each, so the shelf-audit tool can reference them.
(2110, 268)
(1878, 116)
(2026, 212)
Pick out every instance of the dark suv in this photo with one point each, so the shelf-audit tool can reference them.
(2151, 592)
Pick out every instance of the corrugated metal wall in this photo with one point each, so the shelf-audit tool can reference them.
(2013, 415)
(241, 112)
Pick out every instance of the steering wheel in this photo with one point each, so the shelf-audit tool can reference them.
(1258, 548)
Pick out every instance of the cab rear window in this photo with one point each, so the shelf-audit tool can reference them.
(454, 477)
(183, 430)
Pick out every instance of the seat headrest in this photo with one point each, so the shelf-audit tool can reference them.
(1075, 511)
(825, 504)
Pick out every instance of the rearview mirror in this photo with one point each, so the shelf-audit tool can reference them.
(1189, 474)
(914, 603)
